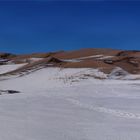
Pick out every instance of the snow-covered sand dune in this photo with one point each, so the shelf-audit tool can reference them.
(10, 67)
(68, 104)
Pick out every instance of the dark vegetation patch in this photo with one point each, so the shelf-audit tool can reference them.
(8, 92)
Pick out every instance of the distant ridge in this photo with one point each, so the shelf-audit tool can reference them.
(103, 59)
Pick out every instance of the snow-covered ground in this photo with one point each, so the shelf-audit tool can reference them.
(68, 104)
(10, 67)
(99, 57)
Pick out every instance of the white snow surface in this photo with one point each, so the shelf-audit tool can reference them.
(71, 60)
(33, 59)
(62, 104)
(92, 56)
(10, 67)
(100, 56)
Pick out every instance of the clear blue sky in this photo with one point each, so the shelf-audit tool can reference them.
(38, 26)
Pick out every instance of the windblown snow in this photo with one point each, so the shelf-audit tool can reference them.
(69, 104)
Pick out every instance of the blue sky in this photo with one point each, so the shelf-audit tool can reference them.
(39, 26)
